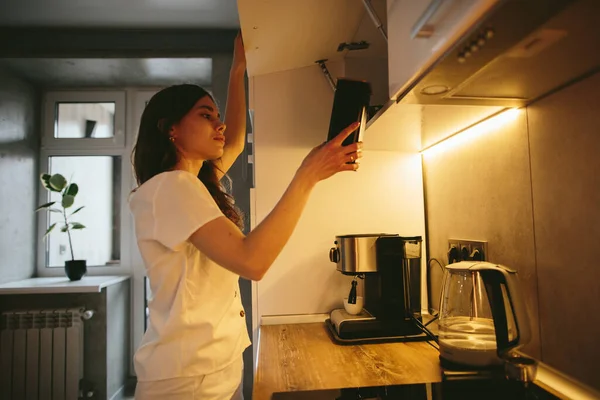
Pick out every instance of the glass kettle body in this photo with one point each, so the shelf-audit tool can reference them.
(482, 315)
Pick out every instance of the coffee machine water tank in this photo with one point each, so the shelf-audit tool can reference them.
(482, 316)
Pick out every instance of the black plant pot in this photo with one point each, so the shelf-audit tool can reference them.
(75, 269)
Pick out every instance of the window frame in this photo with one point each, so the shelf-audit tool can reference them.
(115, 146)
(80, 96)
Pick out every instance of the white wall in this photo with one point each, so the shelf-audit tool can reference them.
(292, 110)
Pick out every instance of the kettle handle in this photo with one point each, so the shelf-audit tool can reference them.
(493, 280)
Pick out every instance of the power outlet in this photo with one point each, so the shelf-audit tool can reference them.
(466, 250)
(453, 251)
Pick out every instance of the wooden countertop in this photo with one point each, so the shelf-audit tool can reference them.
(303, 357)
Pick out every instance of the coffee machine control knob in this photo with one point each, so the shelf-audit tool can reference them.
(334, 255)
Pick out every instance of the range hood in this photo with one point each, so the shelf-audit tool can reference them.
(530, 49)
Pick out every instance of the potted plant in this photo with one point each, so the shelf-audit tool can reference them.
(74, 269)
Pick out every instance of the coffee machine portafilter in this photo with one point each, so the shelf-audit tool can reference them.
(391, 267)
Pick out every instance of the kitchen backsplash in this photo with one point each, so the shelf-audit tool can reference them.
(530, 188)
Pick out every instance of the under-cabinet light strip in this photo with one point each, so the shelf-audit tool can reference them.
(491, 123)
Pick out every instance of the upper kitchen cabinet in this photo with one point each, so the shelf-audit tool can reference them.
(420, 32)
(286, 35)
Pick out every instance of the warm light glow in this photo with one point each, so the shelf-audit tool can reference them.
(470, 134)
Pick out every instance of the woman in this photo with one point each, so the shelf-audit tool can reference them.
(189, 236)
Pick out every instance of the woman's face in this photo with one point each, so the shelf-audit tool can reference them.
(199, 134)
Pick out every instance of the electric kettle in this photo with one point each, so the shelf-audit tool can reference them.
(482, 316)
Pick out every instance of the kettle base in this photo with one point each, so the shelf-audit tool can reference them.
(371, 337)
(451, 365)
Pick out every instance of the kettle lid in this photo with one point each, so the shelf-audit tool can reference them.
(477, 266)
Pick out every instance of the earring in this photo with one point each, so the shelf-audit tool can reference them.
(172, 139)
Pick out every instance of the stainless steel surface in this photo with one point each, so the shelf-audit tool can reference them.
(356, 254)
(516, 42)
(88, 314)
(406, 283)
(411, 264)
(419, 30)
(520, 368)
(339, 315)
(375, 18)
(412, 285)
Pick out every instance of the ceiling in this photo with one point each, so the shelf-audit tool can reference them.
(109, 15)
(199, 14)
(110, 72)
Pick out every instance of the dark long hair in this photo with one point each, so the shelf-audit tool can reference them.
(155, 153)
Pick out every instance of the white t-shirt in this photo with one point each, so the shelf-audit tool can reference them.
(197, 324)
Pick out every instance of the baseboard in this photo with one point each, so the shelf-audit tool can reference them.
(292, 319)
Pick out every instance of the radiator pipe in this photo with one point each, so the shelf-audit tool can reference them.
(87, 314)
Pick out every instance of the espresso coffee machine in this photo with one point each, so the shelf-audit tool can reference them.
(390, 267)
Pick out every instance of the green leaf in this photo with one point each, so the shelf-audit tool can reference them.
(64, 228)
(57, 182)
(45, 178)
(72, 189)
(49, 229)
(43, 206)
(77, 225)
(67, 201)
(76, 211)
(54, 210)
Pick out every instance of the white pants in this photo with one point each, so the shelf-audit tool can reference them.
(221, 385)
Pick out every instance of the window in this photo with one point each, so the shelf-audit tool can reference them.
(99, 181)
(83, 139)
(84, 120)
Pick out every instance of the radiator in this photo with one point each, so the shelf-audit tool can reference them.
(41, 354)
